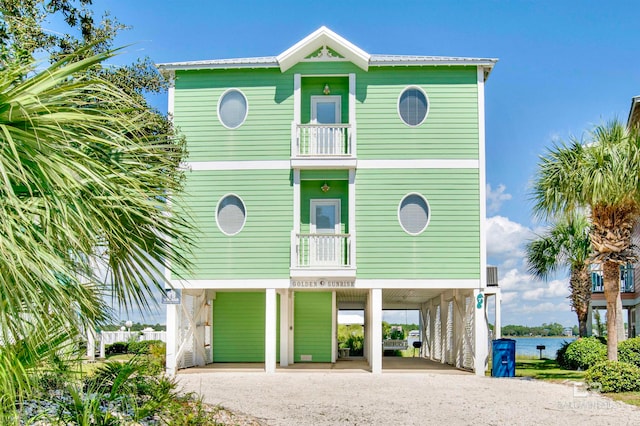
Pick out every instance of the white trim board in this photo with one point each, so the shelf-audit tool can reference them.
(232, 284)
(239, 165)
(282, 283)
(347, 162)
(418, 164)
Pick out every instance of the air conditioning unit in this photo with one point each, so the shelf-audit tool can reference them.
(492, 276)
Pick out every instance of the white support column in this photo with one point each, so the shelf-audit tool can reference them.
(334, 328)
(481, 334)
(590, 320)
(444, 313)
(376, 330)
(270, 331)
(91, 344)
(172, 338)
(103, 348)
(284, 328)
(497, 331)
(637, 320)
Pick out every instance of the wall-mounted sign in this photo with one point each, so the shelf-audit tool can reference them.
(323, 283)
(171, 297)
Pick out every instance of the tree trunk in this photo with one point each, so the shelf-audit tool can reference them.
(622, 334)
(611, 275)
(580, 286)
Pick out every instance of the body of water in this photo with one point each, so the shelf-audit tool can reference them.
(527, 345)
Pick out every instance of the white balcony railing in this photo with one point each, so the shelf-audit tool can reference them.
(321, 251)
(626, 280)
(321, 140)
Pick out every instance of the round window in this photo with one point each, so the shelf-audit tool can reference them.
(232, 108)
(413, 106)
(413, 214)
(230, 214)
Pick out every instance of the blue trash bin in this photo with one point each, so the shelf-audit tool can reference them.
(504, 358)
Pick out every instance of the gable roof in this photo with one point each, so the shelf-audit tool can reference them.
(325, 45)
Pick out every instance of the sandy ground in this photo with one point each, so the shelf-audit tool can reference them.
(403, 398)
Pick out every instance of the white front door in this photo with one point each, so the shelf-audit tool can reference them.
(325, 224)
(325, 111)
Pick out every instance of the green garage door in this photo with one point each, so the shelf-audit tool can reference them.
(312, 327)
(238, 327)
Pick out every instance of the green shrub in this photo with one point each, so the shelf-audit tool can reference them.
(560, 358)
(613, 376)
(117, 348)
(143, 347)
(583, 353)
(629, 351)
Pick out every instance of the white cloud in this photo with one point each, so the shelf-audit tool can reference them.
(549, 307)
(555, 288)
(505, 237)
(496, 197)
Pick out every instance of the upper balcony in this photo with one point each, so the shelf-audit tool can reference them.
(323, 146)
(626, 280)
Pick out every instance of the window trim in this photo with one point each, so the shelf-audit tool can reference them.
(244, 206)
(428, 213)
(420, 89)
(246, 112)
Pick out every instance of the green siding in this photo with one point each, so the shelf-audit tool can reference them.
(324, 174)
(266, 133)
(448, 248)
(310, 190)
(450, 129)
(261, 249)
(312, 326)
(239, 327)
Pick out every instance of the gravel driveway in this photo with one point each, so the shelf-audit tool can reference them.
(403, 398)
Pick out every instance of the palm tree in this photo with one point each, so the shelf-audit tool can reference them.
(566, 244)
(602, 176)
(85, 179)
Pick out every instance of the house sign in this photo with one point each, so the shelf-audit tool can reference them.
(323, 283)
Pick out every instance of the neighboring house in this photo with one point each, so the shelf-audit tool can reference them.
(326, 178)
(629, 274)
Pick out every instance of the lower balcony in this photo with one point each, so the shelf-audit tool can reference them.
(626, 280)
(322, 255)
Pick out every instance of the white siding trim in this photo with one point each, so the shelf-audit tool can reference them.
(296, 201)
(297, 98)
(352, 217)
(482, 180)
(346, 163)
(418, 164)
(417, 283)
(285, 283)
(233, 284)
(239, 165)
(171, 97)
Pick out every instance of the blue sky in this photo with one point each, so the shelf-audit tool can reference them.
(564, 66)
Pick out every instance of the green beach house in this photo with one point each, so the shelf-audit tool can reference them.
(326, 179)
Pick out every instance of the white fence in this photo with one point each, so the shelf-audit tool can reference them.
(110, 337)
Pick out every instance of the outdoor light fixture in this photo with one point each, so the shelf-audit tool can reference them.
(326, 89)
(325, 187)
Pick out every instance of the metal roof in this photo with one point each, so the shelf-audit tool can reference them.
(325, 37)
(379, 60)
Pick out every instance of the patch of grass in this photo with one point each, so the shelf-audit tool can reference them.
(631, 398)
(545, 369)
